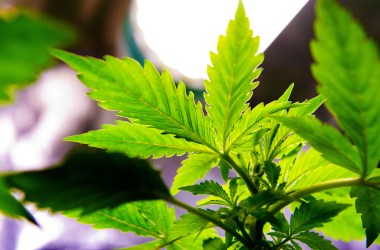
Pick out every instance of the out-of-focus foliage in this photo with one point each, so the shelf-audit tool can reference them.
(24, 39)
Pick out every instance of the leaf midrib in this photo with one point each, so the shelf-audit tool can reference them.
(174, 121)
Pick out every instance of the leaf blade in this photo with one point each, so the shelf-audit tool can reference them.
(142, 94)
(234, 68)
(137, 141)
(347, 69)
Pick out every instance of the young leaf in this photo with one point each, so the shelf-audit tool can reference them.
(25, 38)
(367, 203)
(333, 145)
(313, 214)
(195, 167)
(11, 207)
(234, 68)
(90, 180)
(144, 218)
(137, 141)
(314, 241)
(348, 71)
(209, 187)
(142, 94)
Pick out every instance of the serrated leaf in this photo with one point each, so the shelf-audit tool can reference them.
(231, 74)
(251, 121)
(335, 147)
(272, 172)
(90, 180)
(214, 244)
(347, 225)
(11, 207)
(137, 141)
(281, 225)
(314, 241)
(313, 214)
(209, 187)
(194, 241)
(186, 225)
(25, 38)
(142, 94)
(309, 168)
(348, 71)
(194, 168)
(144, 218)
(151, 245)
(367, 204)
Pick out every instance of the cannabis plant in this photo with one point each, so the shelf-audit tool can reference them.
(262, 152)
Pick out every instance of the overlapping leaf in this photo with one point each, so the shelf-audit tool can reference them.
(367, 204)
(314, 214)
(90, 180)
(231, 74)
(348, 71)
(25, 38)
(137, 140)
(142, 94)
(314, 241)
(194, 168)
(335, 147)
(144, 218)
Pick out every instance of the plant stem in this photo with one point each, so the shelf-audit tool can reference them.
(247, 242)
(347, 182)
(251, 186)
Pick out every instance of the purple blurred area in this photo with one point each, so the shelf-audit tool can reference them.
(56, 106)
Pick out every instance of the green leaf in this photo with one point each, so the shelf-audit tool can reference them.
(151, 245)
(186, 225)
(25, 38)
(272, 172)
(250, 122)
(214, 244)
(347, 225)
(137, 141)
(309, 168)
(367, 204)
(194, 241)
(144, 218)
(11, 207)
(90, 180)
(314, 214)
(348, 71)
(209, 187)
(335, 147)
(314, 241)
(231, 74)
(142, 94)
(281, 225)
(195, 167)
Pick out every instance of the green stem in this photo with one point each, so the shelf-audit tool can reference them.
(251, 186)
(348, 182)
(200, 213)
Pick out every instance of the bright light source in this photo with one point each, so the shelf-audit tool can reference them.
(181, 33)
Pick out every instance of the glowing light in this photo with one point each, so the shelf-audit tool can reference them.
(181, 33)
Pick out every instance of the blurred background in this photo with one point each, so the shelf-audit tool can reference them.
(175, 35)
